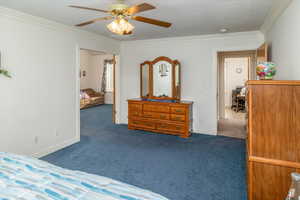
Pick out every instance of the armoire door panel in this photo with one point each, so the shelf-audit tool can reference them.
(273, 138)
(297, 119)
(270, 182)
(273, 134)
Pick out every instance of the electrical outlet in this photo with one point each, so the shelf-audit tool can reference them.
(56, 133)
(36, 139)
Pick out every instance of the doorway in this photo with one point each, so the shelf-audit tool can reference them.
(234, 70)
(97, 82)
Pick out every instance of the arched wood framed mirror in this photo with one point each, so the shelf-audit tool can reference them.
(161, 79)
(145, 80)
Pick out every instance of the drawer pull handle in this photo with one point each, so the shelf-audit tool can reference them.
(139, 123)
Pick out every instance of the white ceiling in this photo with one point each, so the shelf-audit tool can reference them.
(189, 17)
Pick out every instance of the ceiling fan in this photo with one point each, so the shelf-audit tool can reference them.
(121, 13)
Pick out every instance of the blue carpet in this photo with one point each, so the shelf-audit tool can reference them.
(199, 168)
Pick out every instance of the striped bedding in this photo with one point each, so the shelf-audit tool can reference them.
(24, 178)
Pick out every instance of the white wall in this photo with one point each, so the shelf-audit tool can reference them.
(198, 56)
(91, 64)
(40, 105)
(84, 66)
(284, 40)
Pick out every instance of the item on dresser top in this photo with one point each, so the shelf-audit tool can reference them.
(266, 71)
(28, 178)
(160, 100)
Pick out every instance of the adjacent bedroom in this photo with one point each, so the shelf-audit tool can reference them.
(149, 100)
(97, 96)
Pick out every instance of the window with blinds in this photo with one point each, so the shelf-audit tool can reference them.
(109, 77)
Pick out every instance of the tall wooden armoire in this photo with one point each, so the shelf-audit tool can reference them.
(273, 138)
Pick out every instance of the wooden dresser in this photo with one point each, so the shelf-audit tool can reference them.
(273, 138)
(161, 117)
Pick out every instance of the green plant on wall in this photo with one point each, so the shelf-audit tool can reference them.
(5, 73)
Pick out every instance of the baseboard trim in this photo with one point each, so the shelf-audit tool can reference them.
(205, 132)
(195, 131)
(55, 148)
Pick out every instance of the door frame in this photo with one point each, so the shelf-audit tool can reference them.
(222, 55)
(114, 112)
(77, 86)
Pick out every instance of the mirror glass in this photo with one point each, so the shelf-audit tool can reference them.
(177, 81)
(162, 79)
(145, 80)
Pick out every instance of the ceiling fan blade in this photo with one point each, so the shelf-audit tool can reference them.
(139, 8)
(95, 20)
(152, 21)
(86, 8)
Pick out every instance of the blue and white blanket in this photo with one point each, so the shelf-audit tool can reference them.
(24, 178)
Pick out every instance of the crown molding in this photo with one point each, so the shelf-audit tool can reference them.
(48, 24)
(197, 37)
(276, 11)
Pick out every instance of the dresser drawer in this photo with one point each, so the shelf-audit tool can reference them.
(136, 107)
(179, 118)
(156, 108)
(142, 124)
(155, 115)
(171, 127)
(178, 110)
(134, 113)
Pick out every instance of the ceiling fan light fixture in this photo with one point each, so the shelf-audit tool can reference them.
(120, 26)
(119, 7)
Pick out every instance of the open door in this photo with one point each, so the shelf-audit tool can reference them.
(222, 56)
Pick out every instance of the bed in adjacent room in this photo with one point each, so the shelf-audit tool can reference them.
(25, 178)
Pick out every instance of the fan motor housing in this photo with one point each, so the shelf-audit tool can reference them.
(118, 7)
